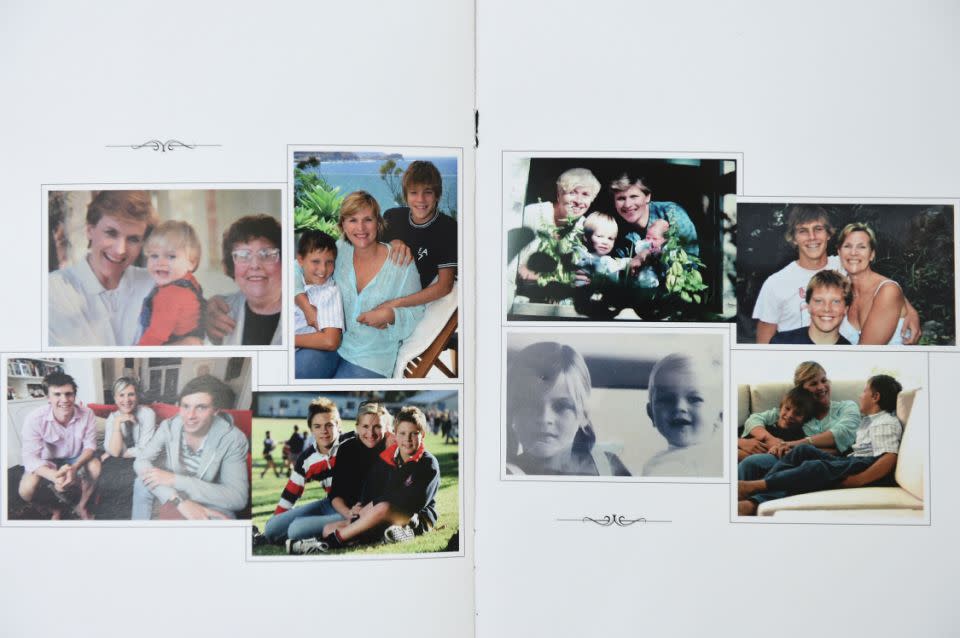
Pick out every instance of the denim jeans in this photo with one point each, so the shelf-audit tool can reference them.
(315, 364)
(142, 509)
(304, 521)
(347, 370)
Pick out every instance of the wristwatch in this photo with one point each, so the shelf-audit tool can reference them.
(175, 501)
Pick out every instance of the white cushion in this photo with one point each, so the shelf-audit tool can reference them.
(848, 516)
(870, 498)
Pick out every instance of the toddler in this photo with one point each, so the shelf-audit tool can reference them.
(593, 258)
(173, 309)
(685, 406)
(648, 249)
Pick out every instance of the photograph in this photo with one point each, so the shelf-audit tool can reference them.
(622, 237)
(375, 276)
(92, 439)
(614, 404)
(832, 437)
(356, 473)
(846, 273)
(163, 267)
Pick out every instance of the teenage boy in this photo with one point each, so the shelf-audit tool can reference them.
(430, 235)
(781, 305)
(197, 460)
(872, 460)
(828, 295)
(59, 447)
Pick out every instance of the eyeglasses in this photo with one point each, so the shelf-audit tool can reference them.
(265, 255)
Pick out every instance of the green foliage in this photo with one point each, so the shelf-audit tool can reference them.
(559, 244)
(265, 492)
(316, 203)
(392, 176)
(683, 270)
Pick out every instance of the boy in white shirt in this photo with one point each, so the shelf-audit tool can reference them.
(316, 347)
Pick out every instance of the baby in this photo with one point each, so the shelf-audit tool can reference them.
(648, 250)
(685, 406)
(796, 408)
(173, 309)
(593, 258)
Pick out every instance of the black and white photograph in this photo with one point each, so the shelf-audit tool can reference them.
(832, 437)
(613, 404)
(91, 439)
(841, 272)
(619, 237)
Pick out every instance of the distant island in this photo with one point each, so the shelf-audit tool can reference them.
(314, 158)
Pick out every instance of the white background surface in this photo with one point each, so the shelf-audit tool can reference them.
(252, 77)
(823, 99)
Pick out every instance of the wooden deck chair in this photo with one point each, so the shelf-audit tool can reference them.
(435, 335)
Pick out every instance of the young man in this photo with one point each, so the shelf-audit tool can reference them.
(59, 446)
(430, 236)
(197, 460)
(806, 469)
(781, 305)
(828, 295)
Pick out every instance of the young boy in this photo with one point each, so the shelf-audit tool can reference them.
(317, 259)
(430, 235)
(685, 406)
(173, 309)
(593, 258)
(796, 408)
(807, 469)
(828, 295)
(400, 491)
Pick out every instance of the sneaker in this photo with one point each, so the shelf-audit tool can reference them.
(306, 546)
(258, 538)
(397, 534)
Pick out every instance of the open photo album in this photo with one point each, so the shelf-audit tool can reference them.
(487, 318)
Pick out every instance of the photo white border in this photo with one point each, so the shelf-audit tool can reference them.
(146, 353)
(45, 190)
(464, 270)
(353, 385)
(557, 331)
(923, 363)
(507, 155)
(917, 201)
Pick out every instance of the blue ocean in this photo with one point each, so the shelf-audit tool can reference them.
(364, 174)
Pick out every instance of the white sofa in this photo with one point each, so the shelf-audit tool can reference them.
(904, 502)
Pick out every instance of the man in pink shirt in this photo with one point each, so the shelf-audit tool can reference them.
(59, 446)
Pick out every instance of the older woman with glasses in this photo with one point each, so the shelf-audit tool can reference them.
(251, 257)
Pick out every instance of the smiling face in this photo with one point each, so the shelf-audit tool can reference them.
(197, 411)
(856, 252)
(62, 399)
(126, 399)
(325, 429)
(409, 439)
(811, 240)
(572, 203)
(684, 406)
(115, 243)
(360, 229)
(548, 416)
(166, 264)
(258, 277)
(318, 266)
(369, 430)
(790, 416)
(819, 387)
(827, 308)
(603, 238)
(422, 200)
(632, 205)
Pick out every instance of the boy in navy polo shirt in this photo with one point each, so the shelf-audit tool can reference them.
(430, 235)
(829, 294)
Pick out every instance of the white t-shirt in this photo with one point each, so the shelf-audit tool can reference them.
(325, 298)
(84, 313)
(783, 296)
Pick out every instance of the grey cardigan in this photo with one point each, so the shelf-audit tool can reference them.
(222, 483)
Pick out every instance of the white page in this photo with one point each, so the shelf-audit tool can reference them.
(838, 99)
(240, 81)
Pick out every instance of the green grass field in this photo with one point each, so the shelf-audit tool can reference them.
(266, 491)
